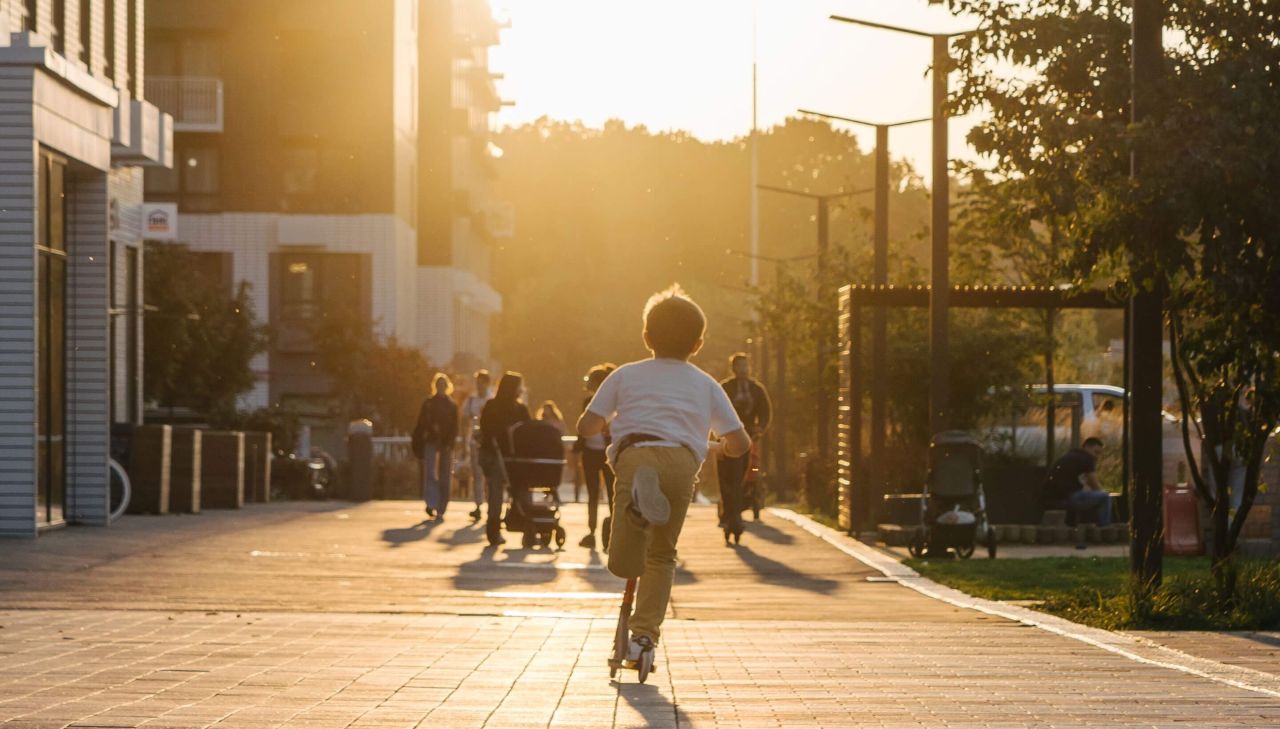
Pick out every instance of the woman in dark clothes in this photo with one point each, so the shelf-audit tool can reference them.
(496, 419)
(433, 438)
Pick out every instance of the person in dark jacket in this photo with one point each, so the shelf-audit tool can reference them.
(433, 439)
(497, 418)
(595, 464)
(751, 402)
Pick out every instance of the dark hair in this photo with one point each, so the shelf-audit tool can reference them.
(481, 373)
(737, 357)
(1091, 442)
(509, 387)
(596, 375)
(673, 323)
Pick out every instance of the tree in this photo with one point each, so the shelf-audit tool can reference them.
(373, 377)
(1201, 226)
(199, 338)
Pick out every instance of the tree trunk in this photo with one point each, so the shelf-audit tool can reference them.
(1223, 566)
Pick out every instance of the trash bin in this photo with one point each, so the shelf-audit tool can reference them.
(360, 460)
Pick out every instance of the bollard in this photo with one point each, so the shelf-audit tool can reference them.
(360, 460)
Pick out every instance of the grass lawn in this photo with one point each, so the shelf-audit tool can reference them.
(1038, 579)
(1095, 590)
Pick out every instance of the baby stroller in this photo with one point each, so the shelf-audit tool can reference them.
(534, 470)
(953, 508)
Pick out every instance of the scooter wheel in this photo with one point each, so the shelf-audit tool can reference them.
(644, 665)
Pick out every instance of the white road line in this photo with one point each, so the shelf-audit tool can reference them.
(1135, 649)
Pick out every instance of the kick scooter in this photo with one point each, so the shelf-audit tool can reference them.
(622, 640)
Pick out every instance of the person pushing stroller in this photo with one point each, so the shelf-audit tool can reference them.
(660, 412)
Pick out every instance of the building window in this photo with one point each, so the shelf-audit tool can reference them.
(51, 340)
(109, 37)
(86, 33)
(60, 26)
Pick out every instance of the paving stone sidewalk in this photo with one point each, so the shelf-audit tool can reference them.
(339, 615)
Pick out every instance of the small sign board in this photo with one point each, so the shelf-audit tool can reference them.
(160, 221)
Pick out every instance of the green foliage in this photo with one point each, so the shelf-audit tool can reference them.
(606, 217)
(282, 423)
(199, 340)
(1201, 225)
(373, 377)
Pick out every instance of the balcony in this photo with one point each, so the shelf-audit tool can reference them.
(195, 102)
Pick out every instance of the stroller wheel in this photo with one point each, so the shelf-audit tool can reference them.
(544, 539)
(965, 551)
(917, 544)
(526, 541)
(560, 537)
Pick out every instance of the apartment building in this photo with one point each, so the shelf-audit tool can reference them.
(296, 133)
(77, 135)
(460, 219)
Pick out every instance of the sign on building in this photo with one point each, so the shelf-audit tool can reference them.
(160, 221)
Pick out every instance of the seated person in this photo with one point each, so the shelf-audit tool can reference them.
(1073, 484)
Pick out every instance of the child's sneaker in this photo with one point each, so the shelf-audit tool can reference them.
(647, 497)
(639, 644)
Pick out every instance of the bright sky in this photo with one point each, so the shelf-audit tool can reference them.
(686, 64)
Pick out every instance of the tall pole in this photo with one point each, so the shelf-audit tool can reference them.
(940, 280)
(755, 161)
(1146, 333)
(879, 321)
(825, 333)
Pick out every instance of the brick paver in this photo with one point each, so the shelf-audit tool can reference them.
(335, 615)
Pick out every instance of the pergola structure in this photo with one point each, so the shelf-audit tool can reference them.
(860, 476)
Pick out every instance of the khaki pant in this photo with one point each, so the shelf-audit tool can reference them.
(637, 549)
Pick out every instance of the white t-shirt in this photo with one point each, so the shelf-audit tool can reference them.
(668, 398)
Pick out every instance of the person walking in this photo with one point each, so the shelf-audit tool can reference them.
(433, 438)
(471, 408)
(497, 417)
(751, 402)
(595, 463)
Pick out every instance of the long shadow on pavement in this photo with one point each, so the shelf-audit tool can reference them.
(657, 710)
(406, 535)
(778, 573)
(494, 568)
(768, 532)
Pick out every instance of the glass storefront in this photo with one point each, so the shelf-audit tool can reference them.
(51, 338)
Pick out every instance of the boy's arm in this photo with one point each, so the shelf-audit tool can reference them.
(736, 443)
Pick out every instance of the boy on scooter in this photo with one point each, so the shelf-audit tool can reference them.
(660, 413)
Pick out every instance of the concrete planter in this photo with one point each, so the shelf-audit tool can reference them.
(149, 469)
(184, 475)
(222, 470)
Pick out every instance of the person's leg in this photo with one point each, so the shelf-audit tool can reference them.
(677, 468)
(477, 477)
(444, 478)
(733, 475)
(592, 460)
(628, 538)
(1092, 506)
(429, 476)
(495, 488)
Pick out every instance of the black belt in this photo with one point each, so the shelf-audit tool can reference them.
(634, 439)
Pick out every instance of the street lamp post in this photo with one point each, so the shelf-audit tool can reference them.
(940, 229)
(824, 345)
(880, 277)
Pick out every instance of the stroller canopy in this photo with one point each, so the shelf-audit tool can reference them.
(955, 464)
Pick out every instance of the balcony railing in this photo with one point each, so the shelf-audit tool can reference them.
(195, 102)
